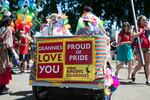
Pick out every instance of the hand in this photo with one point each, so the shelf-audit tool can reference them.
(16, 42)
(129, 42)
(141, 30)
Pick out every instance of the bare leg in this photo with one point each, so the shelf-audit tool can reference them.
(129, 69)
(138, 66)
(147, 64)
(115, 56)
(118, 68)
(23, 65)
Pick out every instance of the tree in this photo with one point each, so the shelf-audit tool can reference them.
(113, 10)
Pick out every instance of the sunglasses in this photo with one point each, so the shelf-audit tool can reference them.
(144, 19)
(126, 26)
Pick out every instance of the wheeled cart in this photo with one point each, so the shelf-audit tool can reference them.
(69, 65)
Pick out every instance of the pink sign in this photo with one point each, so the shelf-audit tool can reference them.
(78, 52)
(51, 70)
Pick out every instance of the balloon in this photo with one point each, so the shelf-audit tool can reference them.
(107, 91)
(20, 3)
(18, 21)
(29, 24)
(20, 16)
(100, 85)
(28, 18)
(17, 26)
(27, 28)
(66, 21)
(64, 16)
(6, 2)
(1, 16)
(116, 81)
(7, 7)
(27, 11)
(31, 1)
(34, 6)
(67, 26)
(20, 11)
(31, 14)
(112, 88)
(30, 9)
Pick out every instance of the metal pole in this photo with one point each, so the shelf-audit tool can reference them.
(138, 38)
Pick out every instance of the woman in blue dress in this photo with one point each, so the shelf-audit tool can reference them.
(125, 54)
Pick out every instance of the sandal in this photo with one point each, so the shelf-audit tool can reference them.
(148, 83)
(133, 77)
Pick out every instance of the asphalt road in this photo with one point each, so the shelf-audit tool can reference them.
(20, 89)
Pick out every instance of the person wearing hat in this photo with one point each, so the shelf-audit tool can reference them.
(89, 24)
(45, 27)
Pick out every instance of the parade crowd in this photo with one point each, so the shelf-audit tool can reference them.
(17, 46)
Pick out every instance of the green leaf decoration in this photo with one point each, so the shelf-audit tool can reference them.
(66, 21)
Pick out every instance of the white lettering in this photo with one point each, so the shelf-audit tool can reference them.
(41, 69)
(78, 46)
(47, 48)
(78, 57)
(50, 69)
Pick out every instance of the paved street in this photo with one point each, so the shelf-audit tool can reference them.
(135, 91)
(138, 91)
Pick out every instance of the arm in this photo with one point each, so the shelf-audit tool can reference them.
(141, 30)
(23, 44)
(100, 25)
(9, 39)
(80, 25)
(136, 35)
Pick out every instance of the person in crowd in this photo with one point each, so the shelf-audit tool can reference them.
(113, 49)
(45, 27)
(23, 50)
(54, 26)
(6, 44)
(124, 53)
(89, 24)
(144, 34)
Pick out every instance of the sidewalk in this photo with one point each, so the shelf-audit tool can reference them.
(132, 91)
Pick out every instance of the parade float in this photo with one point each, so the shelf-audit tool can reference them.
(67, 64)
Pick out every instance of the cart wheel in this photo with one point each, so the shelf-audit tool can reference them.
(40, 92)
(100, 95)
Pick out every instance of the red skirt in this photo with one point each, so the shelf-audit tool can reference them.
(5, 77)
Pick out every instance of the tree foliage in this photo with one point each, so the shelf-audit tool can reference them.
(113, 10)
